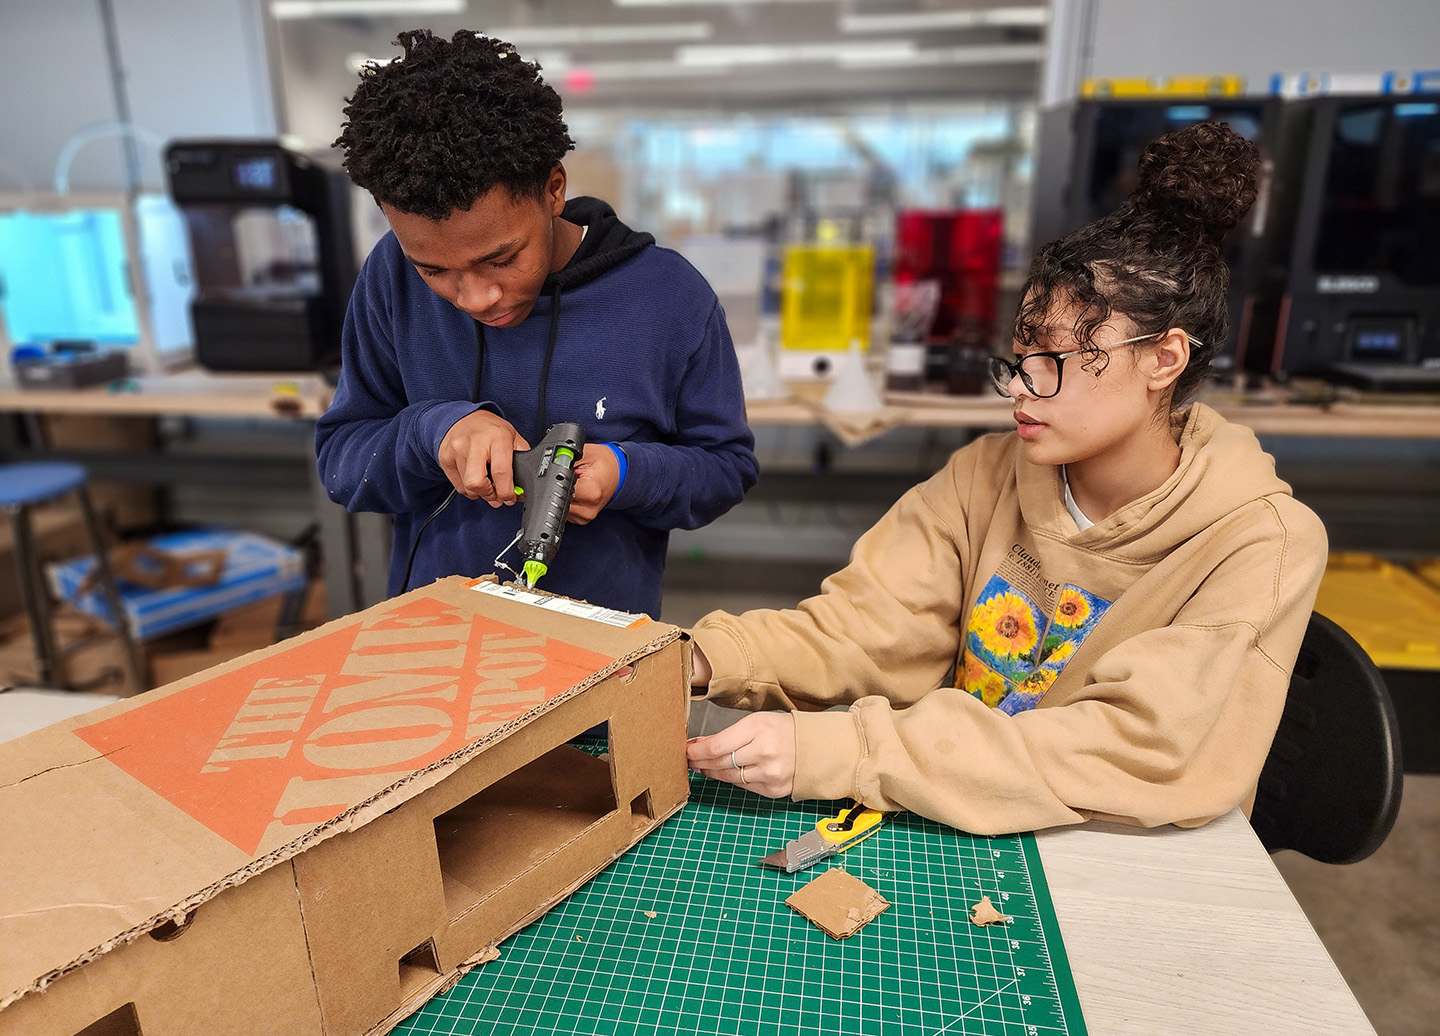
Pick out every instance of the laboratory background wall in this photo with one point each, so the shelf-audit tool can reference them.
(173, 68)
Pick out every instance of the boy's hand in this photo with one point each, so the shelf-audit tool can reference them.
(597, 476)
(757, 753)
(478, 457)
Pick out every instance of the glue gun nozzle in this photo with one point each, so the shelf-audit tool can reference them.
(533, 571)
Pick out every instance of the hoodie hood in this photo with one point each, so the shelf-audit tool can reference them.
(1222, 469)
(608, 243)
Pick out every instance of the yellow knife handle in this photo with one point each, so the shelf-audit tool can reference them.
(850, 825)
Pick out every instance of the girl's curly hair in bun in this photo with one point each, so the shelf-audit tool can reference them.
(431, 131)
(1156, 259)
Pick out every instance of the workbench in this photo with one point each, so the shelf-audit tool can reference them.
(1267, 413)
(360, 542)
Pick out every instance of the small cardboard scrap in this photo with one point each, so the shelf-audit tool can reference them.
(984, 912)
(838, 903)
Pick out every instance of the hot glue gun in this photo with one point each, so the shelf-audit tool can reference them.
(545, 482)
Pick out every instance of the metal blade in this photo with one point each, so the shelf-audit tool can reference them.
(776, 859)
(801, 853)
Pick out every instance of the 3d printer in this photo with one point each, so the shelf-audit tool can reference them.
(274, 261)
(1358, 272)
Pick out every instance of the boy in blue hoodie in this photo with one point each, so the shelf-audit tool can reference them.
(495, 308)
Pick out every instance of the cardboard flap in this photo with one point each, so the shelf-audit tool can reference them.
(134, 814)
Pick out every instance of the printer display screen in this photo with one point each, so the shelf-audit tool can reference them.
(256, 174)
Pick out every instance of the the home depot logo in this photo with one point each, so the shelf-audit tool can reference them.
(297, 737)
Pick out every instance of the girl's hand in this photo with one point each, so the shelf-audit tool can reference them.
(757, 754)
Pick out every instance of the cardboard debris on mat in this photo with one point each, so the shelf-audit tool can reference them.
(838, 903)
(984, 912)
(330, 830)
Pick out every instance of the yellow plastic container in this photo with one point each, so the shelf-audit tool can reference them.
(1429, 570)
(1392, 612)
(826, 297)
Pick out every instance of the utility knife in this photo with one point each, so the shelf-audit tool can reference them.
(831, 835)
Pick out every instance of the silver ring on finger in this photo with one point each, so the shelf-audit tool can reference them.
(733, 764)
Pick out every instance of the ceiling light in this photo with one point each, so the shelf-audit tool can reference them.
(285, 9)
(711, 3)
(1004, 54)
(723, 56)
(617, 71)
(991, 17)
(583, 35)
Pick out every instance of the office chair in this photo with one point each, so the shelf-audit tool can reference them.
(1331, 784)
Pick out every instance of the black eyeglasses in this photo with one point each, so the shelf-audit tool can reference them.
(1041, 373)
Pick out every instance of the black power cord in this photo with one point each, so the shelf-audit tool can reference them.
(474, 398)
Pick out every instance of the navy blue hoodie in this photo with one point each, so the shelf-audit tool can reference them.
(628, 341)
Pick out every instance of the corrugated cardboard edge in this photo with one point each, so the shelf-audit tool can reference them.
(361, 813)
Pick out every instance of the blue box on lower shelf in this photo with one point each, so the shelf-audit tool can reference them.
(256, 568)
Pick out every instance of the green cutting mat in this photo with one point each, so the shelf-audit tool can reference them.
(724, 955)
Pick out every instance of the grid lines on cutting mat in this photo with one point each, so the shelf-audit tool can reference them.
(724, 955)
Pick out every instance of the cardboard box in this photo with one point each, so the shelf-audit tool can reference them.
(256, 568)
(317, 837)
(251, 628)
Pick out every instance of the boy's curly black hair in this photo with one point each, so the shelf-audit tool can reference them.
(1156, 259)
(433, 130)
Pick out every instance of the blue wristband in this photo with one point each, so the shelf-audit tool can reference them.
(624, 464)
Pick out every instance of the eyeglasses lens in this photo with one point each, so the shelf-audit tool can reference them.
(1040, 375)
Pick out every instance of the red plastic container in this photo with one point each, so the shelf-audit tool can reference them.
(960, 248)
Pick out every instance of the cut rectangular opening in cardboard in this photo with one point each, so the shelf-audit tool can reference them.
(418, 967)
(642, 807)
(497, 835)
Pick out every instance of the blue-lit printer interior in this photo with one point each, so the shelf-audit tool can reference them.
(65, 275)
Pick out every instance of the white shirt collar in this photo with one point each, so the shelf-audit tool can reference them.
(1080, 520)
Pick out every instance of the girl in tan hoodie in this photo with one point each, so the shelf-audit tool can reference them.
(1093, 616)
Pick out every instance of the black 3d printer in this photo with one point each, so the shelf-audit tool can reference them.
(1357, 266)
(274, 260)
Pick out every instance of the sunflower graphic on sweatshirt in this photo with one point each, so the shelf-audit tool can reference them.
(1013, 652)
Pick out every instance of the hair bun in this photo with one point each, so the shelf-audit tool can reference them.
(1205, 175)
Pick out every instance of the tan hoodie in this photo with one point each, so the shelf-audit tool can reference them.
(1135, 671)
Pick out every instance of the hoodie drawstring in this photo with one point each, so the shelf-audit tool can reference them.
(544, 365)
(479, 361)
(549, 352)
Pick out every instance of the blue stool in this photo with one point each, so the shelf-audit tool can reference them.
(21, 487)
